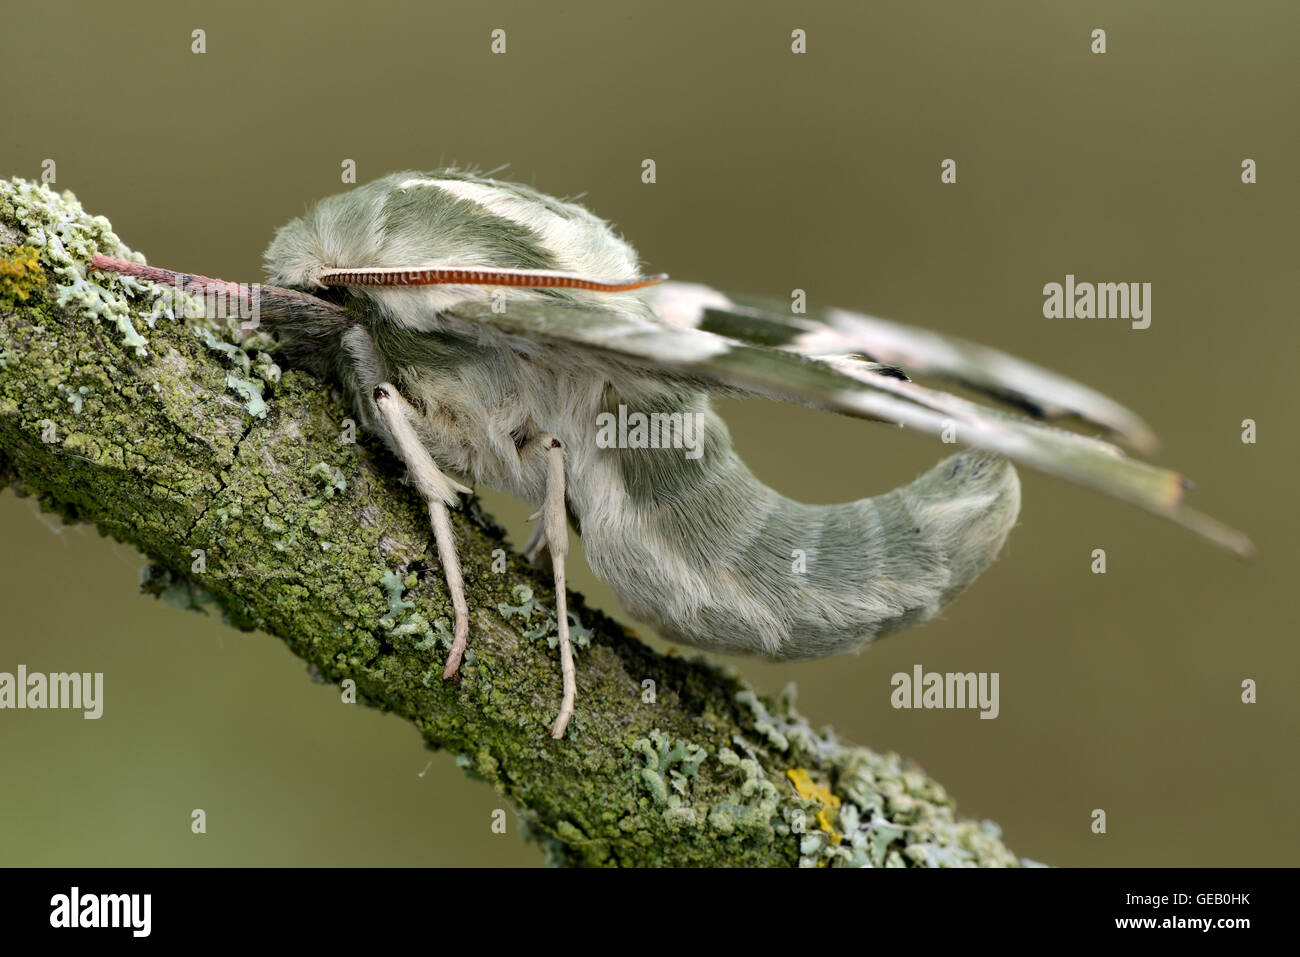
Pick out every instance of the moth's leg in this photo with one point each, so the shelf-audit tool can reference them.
(536, 551)
(398, 417)
(439, 491)
(552, 534)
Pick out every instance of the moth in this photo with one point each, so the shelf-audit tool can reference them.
(490, 332)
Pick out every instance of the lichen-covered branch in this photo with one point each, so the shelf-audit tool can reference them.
(250, 489)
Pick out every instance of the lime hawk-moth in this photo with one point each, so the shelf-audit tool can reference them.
(484, 328)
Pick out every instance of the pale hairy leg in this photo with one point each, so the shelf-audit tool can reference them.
(552, 535)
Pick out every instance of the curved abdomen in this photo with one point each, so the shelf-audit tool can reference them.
(702, 550)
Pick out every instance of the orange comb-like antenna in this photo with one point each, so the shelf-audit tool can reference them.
(476, 276)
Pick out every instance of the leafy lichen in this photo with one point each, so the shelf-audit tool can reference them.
(546, 626)
(330, 477)
(889, 814)
(65, 237)
(60, 241)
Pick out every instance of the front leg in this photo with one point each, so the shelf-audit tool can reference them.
(398, 417)
(439, 491)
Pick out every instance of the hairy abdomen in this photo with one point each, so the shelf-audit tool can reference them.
(713, 558)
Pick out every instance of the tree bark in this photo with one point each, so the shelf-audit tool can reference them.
(243, 489)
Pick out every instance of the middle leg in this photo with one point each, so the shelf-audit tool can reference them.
(552, 535)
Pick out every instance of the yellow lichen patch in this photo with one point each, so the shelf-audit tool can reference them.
(809, 791)
(20, 273)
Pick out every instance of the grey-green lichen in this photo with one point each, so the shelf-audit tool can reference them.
(752, 803)
(546, 626)
(404, 623)
(839, 805)
(888, 813)
(251, 390)
(236, 510)
(669, 767)
(330, 477)
(60, 240)
(66, 237)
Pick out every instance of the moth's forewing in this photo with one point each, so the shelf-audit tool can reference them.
(670, 350)
(1030, 388)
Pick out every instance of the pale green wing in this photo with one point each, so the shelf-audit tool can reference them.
(849, 387)
(918, 351)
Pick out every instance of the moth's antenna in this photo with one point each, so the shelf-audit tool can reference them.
(275, 299)
(125, 267)
(473, 276)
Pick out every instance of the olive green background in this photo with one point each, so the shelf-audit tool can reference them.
(775, 171)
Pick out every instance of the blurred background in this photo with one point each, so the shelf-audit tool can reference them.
(818, 171)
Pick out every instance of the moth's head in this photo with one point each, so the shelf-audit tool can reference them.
(448, 219)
